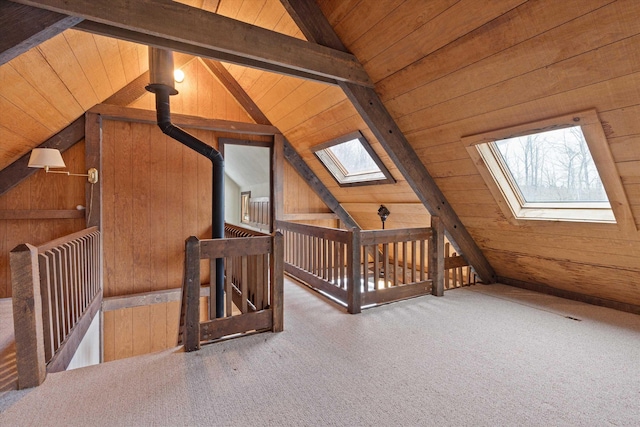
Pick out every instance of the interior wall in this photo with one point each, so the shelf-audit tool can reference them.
(232, 201)
(41, 191)
(299, 198)
(156, 193)
(88, 352)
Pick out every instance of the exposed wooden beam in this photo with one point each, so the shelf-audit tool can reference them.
(234, 88)
(203, 52)
(183, 28)
(149, 116)
(18, 171)
(316, 28)
(23, 27)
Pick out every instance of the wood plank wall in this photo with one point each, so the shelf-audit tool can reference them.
(41, 192)
(456, 68)
(299, 198)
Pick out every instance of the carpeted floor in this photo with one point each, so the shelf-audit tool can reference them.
(487, 355)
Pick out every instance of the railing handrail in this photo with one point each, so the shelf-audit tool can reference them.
(61, 283)
(339, 260)
(65, 239)
(336, 234)
(242, 230)
(372, 237)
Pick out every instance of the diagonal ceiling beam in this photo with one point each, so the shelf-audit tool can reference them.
(290, 152)
(23, 27)
(179, 27)
(315, 27)
(234, 88)
(18, 171)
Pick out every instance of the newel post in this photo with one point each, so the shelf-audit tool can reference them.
(354, 300)
(27, 316)
(436, 257)
(191, 288)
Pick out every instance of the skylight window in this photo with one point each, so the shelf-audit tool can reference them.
(551, 167)
(351, 161)
(559, 169)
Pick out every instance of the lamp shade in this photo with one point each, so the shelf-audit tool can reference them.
(43, 157)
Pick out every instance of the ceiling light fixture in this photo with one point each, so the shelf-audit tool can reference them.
(178, 75)
(47, 158)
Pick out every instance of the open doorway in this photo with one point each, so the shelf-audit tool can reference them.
(248, 189)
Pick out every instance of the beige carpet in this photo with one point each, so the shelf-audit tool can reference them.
(487, 355)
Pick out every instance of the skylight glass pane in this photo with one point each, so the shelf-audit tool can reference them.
(553, 166)
(354, 158)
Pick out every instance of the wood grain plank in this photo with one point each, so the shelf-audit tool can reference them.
(86, 52)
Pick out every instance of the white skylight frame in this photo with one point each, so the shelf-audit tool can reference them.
(341, 174)
(515, 209)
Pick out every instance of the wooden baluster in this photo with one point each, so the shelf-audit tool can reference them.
(376, 267)
(324, 258)
(455, 276)
(60, 290)
(260, 282)
(395, 264)
(365, 268)
(404, 263)
(212, 289)
(447, 273)
(312, 250)
(330, 261)
(354, 300)
(46, 297)
(55, 300)
(413, 261)
(385, 257)
(228, 287)
(423, 260)
(243, 285)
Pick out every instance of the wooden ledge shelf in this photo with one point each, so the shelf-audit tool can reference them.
(41, 214)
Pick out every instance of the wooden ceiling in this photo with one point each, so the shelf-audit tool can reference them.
(444, 69)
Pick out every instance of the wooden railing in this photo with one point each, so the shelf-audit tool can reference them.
(259, 213)
(253, 286)
(56, 293)
(362, 268)
(457, 272)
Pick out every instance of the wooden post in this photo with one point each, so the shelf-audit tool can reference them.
(277, 282)
(93, 159)
(192, 289)
(354, 261)
(436, 257)
(27, 316)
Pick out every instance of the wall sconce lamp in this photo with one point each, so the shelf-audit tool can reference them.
(51, 158)
(383, 213)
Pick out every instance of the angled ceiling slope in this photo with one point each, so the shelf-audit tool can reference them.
(263, 49)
